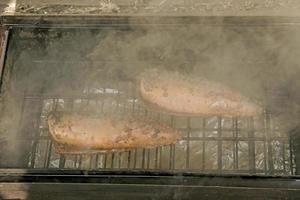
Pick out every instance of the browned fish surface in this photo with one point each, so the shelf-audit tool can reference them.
(75, 134)
(181, 95)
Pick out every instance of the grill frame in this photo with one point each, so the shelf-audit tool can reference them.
(170, 22)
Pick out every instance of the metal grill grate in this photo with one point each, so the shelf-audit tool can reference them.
(210, 144)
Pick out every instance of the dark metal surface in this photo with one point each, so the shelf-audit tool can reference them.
(76, 184)
(153, 177)
(75, 21)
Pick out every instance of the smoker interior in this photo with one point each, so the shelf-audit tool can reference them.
(92, 70)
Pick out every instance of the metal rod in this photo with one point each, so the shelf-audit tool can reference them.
(62, 161)
(283, 156)
(156, 158)
(251, 145)
(220, 144)
(105, 161)
(80, 161)
(48, 154)
(119, 159)
(4, 45)
(75, 162)
(170, 158)
(91, 158)
(203, 142)
(188, 143)
(112, 160)
(144, 150)
(269, 143)
(236, 144)
(291, 146)
(265, 158)
(96, 161)
(172, 147)
(148, 158)
(160, 157)
(128, 159)
(143, 158)
(173, 155)
(135, 158)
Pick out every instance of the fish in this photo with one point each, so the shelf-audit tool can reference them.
(84, 134)
(181, 95)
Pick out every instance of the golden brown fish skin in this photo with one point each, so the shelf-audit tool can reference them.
(176, 94)
(73, 133)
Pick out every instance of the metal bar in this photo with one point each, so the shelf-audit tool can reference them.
(156, 158)
(171, 163)
(148, 158)
(120, 20)
(48, 154)
(91, 157)
(265, 158)
(80, 161)
(128, 159)
(170, 156)
(33, 152)
(76, 164)
(76, 160)
(269, 144)
(291, 146)
(173, 145)
(4, 44)
(105, 161)
(144, 150)
(283, 157)
(246, 139)
(135, 158)
(220, 144)
(251, 145)
(188, 143)
(173, 156)
(143, 158)
(112, 160)
(96, 161)
(119, 159)
(62, 161)
(240, 139)
(203, 142)
(160, 157)
(235, 143)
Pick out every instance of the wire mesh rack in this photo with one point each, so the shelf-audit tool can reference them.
(214, 144)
